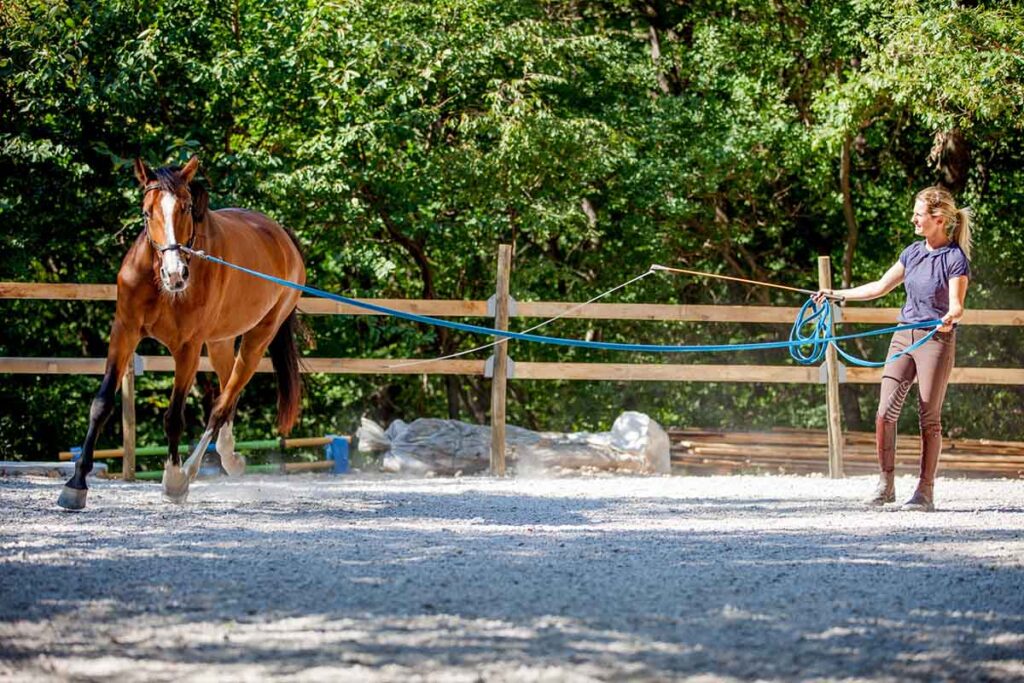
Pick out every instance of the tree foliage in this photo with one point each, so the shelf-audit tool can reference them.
(403, 141)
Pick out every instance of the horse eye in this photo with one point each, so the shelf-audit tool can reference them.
(145, 214)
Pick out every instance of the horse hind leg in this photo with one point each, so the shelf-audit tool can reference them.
(220, 417)
(222, 357)
(254, 345)
(233, 463)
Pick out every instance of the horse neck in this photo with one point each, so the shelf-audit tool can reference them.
(208, 232)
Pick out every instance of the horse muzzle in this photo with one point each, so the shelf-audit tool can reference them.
(174, 275)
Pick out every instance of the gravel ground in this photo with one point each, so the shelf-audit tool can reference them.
(569, 579)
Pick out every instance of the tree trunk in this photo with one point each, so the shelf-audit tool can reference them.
(851, 219)
(849, 394)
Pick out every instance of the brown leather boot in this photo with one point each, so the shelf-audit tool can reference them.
(923, 499)
(885, 449)
(885, 491)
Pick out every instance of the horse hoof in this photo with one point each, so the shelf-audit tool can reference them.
(233, 463)
(177, 499)
(175, 482)
(72, 499)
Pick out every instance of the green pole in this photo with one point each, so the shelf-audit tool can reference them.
(157, 475)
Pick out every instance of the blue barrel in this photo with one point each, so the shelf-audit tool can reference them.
(337, 450)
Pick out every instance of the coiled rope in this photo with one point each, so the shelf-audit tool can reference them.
(810, 346)
(817, 317)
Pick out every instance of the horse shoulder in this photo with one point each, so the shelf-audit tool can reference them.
(136, 268)
(136, 281)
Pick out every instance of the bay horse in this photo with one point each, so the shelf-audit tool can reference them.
(186, 303)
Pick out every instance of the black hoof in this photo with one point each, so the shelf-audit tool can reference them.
(72, 499)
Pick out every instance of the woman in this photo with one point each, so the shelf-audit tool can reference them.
(935, 273)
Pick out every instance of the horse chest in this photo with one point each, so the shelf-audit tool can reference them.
(177, 324)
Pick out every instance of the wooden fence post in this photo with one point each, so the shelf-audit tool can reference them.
(128, 421)
(835, 426)
(499, 379)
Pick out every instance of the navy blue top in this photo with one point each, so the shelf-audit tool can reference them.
(926, 278)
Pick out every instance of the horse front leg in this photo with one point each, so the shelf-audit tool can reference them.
(175, 480)
(123, 340)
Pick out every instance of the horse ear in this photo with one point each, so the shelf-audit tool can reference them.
(200, 201)
(189, 171)
(142, 172)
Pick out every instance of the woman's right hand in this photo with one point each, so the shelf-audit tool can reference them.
(821, 296)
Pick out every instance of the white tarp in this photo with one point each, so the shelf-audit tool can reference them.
(636, 443)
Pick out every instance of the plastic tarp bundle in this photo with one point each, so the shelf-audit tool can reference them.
(636, 443)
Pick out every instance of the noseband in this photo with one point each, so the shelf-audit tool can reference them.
(180, 248)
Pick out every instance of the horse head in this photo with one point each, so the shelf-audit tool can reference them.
(174, 206)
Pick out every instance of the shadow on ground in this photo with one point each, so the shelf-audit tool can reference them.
(404, 581)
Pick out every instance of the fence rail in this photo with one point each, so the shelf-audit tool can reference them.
(634, 372)
(444, 308)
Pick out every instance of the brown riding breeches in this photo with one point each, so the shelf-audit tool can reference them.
(931, 365)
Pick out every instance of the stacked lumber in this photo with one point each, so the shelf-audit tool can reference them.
(805, 451)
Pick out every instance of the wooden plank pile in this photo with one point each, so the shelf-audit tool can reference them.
(805, 451)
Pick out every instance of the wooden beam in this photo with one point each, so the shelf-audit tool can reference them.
(834, 411)
(537, 309)
(1003, 376)
(128, 423)
(644, 372)
(667, 372)
(59, 291)
(658, 312)
(437, 308)
(499, 382)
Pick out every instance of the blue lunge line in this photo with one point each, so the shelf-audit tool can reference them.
(817, 340)
(819, 318)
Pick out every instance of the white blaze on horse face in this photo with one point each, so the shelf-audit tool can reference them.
(172, 271)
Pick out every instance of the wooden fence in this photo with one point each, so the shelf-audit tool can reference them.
(501, 310)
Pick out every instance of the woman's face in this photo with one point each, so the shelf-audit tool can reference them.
(925, 224)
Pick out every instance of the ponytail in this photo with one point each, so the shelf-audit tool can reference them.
(962, 230)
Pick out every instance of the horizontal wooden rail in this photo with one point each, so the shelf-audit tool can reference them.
(54, 290)
(804, 451)
(536, 309)
(653, 372)
(299, 442)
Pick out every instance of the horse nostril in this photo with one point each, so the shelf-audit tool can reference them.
(163, 273)
(184, 272)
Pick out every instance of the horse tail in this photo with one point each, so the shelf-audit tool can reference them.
(284, 356)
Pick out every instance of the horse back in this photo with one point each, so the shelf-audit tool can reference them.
(251, 239)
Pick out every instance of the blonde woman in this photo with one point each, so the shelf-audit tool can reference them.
(935, 272)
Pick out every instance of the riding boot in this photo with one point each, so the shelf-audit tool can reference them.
(885, 448)
(931, 445)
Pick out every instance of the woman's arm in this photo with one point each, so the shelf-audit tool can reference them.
(957, 294)
(872, 290)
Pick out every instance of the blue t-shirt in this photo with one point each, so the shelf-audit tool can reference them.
(926, 278)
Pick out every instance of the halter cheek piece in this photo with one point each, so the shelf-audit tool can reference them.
(181, 248)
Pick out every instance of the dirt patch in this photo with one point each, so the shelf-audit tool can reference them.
(315, 577)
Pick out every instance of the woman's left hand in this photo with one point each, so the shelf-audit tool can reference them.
(947, 323)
